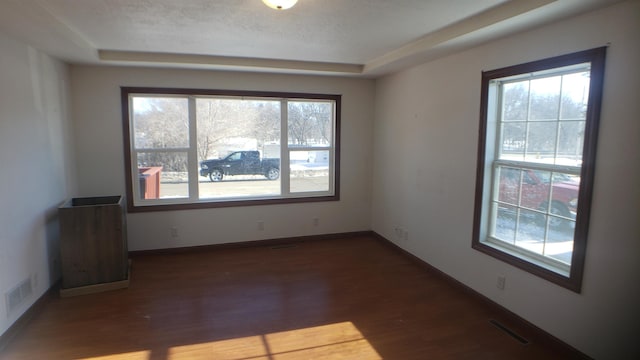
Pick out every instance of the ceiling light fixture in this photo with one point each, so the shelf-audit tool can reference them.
(280, 4)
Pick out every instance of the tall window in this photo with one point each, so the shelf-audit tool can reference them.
(207, 148)
(536, 164)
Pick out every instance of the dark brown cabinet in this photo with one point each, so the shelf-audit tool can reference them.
(93, 242)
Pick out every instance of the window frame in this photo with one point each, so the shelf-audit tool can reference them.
(486, 162)
(299, 197)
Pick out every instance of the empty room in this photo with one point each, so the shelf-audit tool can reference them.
(319, 179)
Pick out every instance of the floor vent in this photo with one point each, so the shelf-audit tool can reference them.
(509, 332)
(18, 294)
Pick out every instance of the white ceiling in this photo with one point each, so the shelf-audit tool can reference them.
(346, 37)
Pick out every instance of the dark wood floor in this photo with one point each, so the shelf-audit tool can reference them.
(351, 298)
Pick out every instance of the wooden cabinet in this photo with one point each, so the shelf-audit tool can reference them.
(93, 242)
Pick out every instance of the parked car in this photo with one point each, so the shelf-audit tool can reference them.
(240, 163)
(537, 190)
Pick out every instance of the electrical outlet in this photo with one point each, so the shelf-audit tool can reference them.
(501, 282)
(316, 222)
(174, 232)
(260, 225)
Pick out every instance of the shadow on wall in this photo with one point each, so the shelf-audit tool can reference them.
(52, 239)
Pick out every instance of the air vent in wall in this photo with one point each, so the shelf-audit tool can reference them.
(18, 294)
(510, 332)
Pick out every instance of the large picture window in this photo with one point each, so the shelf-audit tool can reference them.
(190, 148)
(536, 163)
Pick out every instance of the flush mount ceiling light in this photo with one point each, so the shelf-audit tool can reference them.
(280, 4)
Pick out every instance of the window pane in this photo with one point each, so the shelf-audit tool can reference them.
(564, 195)
(545, 98)
(575, 92)
(535, 212)
(541, 141)
(239, 140)
(509, 185)
(160, 123)
(239, 186)
(227, 125)
(531, 232)
(309, 171)
(505, 224)
(570, 143)
(310, 123)
(170, 168)
(559, 244)
(515, 101)
(513, 140)
(535, 189)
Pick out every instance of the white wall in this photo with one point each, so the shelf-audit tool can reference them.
(96, 110)
(425, 143)
(36, 169)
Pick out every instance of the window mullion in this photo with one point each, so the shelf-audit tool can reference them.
(565, 169)
(285, 164)
(332, 153)
(527, 121)
(555, 153)
(192, 153)
(135, 176)
(163, 150)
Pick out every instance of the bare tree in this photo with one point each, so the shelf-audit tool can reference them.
(310, 122)
(163, 123)
(266, 124)
(222, 119)
(530, 117)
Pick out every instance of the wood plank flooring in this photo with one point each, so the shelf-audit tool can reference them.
(349, 298)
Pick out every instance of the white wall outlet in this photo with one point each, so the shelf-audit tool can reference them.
(260, 225)
(174, 232)
(399, 232)
(316, 221)
(501, 282)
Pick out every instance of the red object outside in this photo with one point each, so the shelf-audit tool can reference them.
(150, 182)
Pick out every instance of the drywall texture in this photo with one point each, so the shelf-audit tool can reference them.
(36, 170)
(97, 115)
(425, 141)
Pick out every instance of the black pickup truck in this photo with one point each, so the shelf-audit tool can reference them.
(240, 163)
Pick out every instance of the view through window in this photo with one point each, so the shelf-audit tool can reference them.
(536, 164)
(219, 148)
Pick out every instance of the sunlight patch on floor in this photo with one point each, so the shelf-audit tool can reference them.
(334, 341)
(135, 355)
